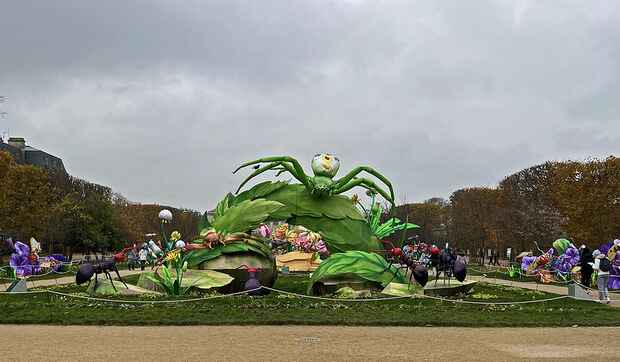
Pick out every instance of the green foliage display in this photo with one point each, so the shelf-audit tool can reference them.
(561, 245)
(201, 279)
(205, 279)
(369, 266)
(299, 202)
(382, 230)
(244, 216)
(199, 256)
(233, 220)
(260, 190)
(341, 235)
(514, 271)
(171, 285)
(391, 226)
(335, 217)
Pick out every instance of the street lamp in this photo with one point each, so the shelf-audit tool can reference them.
(165, 216)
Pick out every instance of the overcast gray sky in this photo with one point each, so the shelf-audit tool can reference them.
(162, 99)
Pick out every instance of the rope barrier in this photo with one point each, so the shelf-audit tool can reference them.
(303, 296)
(153, 301)
(337, 299)
(417, 296)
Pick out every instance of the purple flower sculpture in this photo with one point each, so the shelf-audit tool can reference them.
(614, 273)
(20, 261)
(567, 261)
(56, 260)
(525, 263)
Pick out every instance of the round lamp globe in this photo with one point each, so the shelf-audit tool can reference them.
(165, 215)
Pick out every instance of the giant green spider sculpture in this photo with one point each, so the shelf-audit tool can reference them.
(324, 166)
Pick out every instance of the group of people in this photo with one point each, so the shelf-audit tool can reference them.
(139, 257)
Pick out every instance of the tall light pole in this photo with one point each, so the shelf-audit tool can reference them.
(2, 115)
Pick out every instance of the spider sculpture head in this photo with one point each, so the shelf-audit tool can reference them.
(325, 164)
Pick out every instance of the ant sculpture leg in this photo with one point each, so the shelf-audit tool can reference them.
(119, 277)
(107, 273)
(438, 271)
(96, 282)
(399, 268)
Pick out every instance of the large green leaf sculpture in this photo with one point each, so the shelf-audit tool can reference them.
(299, 202)
(391, 226)
(205, 279)
(369, 266)
(387, 228)
(341, 235)
(260, 190)
(336, 218)
(201, 279)
(199, 256)
(245, 216)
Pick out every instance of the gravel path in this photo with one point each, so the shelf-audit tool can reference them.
(299, 343)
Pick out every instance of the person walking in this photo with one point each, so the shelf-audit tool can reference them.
(586, 260)
(142, 254)
(602, 265)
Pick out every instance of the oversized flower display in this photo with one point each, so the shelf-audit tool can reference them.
(558, 262)
(567, 261)
(299, 238)
(22, 262)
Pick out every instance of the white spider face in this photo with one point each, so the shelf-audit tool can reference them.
(325, 164)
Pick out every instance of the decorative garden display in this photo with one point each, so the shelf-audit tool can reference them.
(87, 270)
(25, 260)
(325, 222)
(559, 263)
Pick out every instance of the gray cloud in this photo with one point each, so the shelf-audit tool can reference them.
(160, 100)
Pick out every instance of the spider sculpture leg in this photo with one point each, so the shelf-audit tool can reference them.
(271, 166)
(352, 175)
(298, 172)
(367, 184)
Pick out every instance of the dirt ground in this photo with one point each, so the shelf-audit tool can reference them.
(299, 343)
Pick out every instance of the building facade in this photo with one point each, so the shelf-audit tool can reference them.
(27, 155)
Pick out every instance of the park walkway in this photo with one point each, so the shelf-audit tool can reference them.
(306, 343)
(547, 288)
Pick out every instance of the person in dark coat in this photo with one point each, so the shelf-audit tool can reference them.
(585, 259)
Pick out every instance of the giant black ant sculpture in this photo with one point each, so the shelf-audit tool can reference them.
(395, 256)
(87, 270)
(449, 266)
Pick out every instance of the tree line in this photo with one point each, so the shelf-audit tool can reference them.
(67, 214)
(575, 200)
